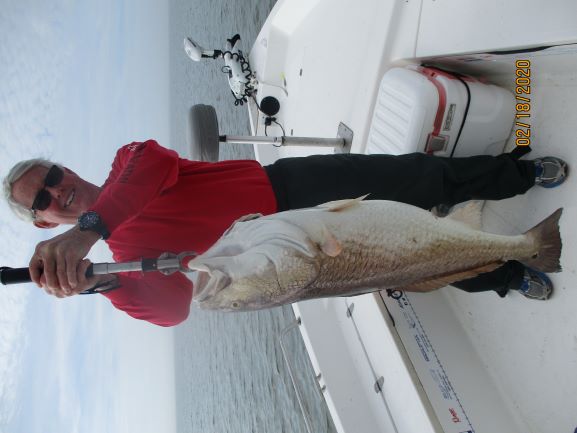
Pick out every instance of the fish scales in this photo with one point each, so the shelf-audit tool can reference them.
(417, 244)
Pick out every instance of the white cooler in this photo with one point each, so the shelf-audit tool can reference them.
(424, 109)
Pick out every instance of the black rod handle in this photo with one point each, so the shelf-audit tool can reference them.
(22, 275)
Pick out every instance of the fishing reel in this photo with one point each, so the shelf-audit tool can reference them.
(241, 79)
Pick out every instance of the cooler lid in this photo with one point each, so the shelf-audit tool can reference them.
(406, 106)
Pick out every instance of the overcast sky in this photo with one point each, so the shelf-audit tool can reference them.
(78, 80)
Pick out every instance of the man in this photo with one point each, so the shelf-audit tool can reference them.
(155, 202)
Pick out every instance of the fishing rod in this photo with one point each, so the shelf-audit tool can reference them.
(166, 263)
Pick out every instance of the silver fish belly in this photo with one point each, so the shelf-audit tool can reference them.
(352, 247)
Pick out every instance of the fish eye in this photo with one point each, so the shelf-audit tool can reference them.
(235, 305)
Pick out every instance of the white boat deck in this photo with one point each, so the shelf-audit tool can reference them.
(530, 347)
(329, 56)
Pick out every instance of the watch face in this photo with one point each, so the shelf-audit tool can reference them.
(91, 221)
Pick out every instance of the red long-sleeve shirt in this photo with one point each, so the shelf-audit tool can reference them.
(155, 202)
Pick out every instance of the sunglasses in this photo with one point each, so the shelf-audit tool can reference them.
(43, 198)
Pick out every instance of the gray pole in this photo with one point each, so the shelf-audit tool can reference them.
(284, 140)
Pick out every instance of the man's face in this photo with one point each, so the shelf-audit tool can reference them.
(69, 198)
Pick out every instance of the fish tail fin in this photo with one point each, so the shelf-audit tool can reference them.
(548, 238)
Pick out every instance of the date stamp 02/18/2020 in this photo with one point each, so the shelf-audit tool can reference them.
(523, 102)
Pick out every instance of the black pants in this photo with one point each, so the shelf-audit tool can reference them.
(417, 179)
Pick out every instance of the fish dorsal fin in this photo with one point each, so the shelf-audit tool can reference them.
(338, 205)
(445, 280)
(469, 214)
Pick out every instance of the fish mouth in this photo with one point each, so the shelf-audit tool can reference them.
(208, 282)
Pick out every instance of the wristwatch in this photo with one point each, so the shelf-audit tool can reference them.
(91, 221)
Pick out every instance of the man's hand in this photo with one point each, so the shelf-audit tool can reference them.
(83, 282)
(58, 265)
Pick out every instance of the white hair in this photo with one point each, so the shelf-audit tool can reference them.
(16, 173)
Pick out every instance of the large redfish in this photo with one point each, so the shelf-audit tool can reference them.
(351, 247)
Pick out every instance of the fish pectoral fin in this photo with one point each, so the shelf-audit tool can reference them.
(469, 214)
(445, 280)
(329, 244)
(338, 205)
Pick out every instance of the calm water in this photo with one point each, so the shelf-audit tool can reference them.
(231, 376)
